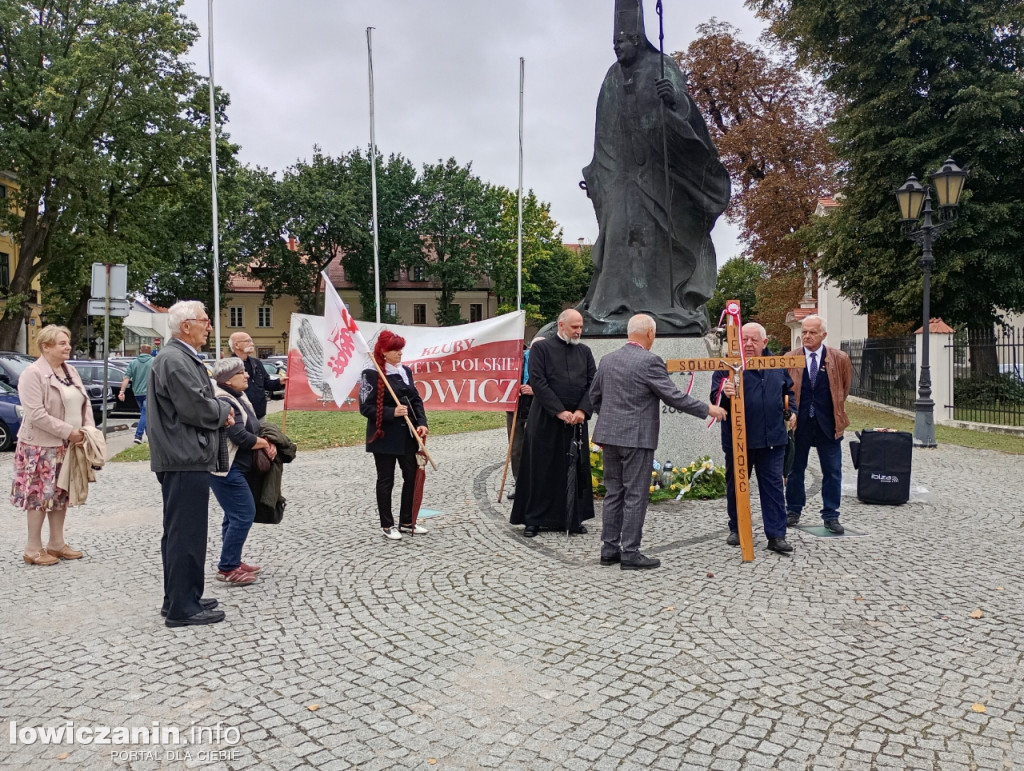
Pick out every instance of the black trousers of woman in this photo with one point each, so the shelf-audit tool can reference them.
(386, 484)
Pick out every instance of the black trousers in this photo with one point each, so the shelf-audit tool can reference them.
(386, 484)
(183, 545)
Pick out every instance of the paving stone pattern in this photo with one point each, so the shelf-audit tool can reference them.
(472, 647)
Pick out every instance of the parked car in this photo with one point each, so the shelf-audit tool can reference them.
(91, 372)
(11, 413)
(274, 369)
(13, 364)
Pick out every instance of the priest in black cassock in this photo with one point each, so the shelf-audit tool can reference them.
(561, 371)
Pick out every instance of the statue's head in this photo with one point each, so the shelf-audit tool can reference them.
(629, 36)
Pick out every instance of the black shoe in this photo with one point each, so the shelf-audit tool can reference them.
(207, 603)
(792, 519)
(781, 545)
(530, 531)
(581, 530)
(511, 496)
(614, 560)
(640, 562)
(199, 619)
(733, 539)
(833, 526)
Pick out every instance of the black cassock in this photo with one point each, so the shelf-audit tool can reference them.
(561, 375)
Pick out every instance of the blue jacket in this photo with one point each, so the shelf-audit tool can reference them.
(763, 394)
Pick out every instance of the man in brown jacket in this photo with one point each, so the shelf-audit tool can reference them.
(820, 422)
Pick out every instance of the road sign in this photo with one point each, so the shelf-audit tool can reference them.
(117, 307)
(118, 280)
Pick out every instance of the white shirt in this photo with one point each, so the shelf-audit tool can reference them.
(392, 369)
(818, 354)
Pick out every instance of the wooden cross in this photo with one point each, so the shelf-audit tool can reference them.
(733, 361)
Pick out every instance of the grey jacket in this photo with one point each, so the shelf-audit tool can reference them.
(627, 393)
(182, 414)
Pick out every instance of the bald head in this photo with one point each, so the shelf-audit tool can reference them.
(570, 326)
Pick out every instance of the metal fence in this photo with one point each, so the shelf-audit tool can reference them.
(988, 376)
(884, 370)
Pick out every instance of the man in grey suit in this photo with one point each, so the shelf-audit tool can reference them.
(629, 385)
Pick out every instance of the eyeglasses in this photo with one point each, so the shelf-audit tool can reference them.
(206, 321)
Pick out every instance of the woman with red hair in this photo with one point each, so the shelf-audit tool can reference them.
(387, 433)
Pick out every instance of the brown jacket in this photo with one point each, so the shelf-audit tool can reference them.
(43, 402)
(840, 373)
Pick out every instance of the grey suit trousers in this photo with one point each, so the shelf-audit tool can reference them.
(627, 478)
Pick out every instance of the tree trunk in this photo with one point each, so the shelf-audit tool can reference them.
(984, 362)
(78, 320)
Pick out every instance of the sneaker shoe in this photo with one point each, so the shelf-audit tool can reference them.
(418, 530)
(833, 526)
(733, 539)
(237, 577)
(792, 519)
(138, 440)
(781, 545)
(392, 534)
(250, 568)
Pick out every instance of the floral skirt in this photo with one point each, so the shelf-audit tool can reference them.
(35, 478)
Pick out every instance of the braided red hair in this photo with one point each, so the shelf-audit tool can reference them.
(386, 341)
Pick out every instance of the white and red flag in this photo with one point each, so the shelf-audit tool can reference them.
(345, 349)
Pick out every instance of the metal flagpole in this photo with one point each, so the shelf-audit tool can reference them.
(373, 180)
(215, 311)
(519, 238)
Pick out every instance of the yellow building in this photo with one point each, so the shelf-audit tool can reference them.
(267, 324)
(9, 255)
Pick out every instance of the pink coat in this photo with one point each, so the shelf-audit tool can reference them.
(43, 424)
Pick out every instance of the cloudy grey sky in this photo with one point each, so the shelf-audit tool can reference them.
(446, 81)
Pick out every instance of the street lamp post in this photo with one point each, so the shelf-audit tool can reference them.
(916, 205)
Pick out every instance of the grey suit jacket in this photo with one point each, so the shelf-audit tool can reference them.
(627, 391)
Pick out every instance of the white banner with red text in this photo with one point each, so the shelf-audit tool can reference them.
(475, 367)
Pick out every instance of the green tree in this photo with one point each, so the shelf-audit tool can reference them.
(316, 205)
(917, 81)
(398, 214)
(93, 121)
(738, 279)
(459, 216)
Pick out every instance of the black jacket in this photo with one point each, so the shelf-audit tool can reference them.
(396, 440)
(763, 399)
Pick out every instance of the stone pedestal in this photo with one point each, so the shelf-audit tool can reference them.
(683, 437)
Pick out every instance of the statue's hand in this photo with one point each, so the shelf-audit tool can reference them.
(666, 91)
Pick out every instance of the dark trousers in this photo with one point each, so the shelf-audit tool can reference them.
(766, 463)
(386, 484)
(186, 497)
(830, 456)
(627, 479)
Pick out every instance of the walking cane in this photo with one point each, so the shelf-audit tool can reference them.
(508, 454)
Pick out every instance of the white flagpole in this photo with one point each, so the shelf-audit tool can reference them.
(215, 311)
(373, 180)
(519, 239)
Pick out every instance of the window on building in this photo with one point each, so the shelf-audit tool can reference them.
(235, 317)
(5, 271)
(398, 275)
(476, 312)
(419, 273)
(3, 191)
(263, 316)
(419, 313)
(391, 309)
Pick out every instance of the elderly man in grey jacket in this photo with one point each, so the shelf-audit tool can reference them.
(626, 392)
(184, 416)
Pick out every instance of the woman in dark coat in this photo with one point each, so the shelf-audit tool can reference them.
(387, 433)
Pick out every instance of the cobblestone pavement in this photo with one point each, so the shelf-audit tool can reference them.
(472, 647)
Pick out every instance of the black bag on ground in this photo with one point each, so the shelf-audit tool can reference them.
(883, 461)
